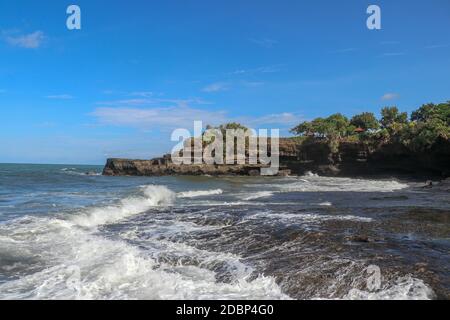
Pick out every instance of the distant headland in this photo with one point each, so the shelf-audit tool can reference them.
(396, 144)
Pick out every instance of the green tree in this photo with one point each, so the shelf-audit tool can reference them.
(338, 124)
(431, 111)
(430, 123)
(393, 121)
(425, 134)
(391, 116)
(232, 126)
(365, 120)
(332, 128)
(424, 113)
(320, 127)
(304, 128)
(317, 127)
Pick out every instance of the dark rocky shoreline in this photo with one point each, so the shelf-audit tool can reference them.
(351, 160)
(165, 167)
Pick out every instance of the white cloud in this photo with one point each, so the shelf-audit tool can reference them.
(29, 41)
(390, 96)
(346, 50)
(170, 117)
(437, 46)
(216, 87)
(108, 92)
(144, 94)
(252, 84)
(265, 69)
(60, 97)
(166, 114)
(264, 42)
(148, 102)
(389, 42)
(126, 102)
(285, 119)
(46, 124)
(166, 118)
(393, 54)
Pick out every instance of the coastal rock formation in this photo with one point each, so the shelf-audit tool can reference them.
(164, 166)
(297, 157)
(359, 159)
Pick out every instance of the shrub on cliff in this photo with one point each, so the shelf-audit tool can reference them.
(428, 125)
(335, 125)
(366, 121)
(423, 135)
(393, 121)
(432, 111)
(333, 129)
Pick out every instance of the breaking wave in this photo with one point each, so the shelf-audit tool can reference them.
(65, 259)
(309, 217)
(74, 172)
(404, 288)
(78, 265)
(325, 204)
(314, 183)
(154, 243)
(152, 196)
(258, 195)
(200, 193)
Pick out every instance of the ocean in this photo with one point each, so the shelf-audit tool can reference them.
(66, 232)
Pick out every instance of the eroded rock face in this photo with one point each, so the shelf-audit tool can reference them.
(352, 159)
(157, 167)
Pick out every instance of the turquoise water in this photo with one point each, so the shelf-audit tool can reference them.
(66, 232)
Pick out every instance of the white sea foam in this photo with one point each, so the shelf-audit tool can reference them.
(310, 174)
(325, 204)
(257, 195)
(404, 288)
(77, 264)
(309, 217)
(74, 172)
(66, 259)
(332, 184)
(199, 193)
(152, 196)
(229, 203)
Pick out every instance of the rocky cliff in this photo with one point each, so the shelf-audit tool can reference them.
(164, 166)
(297, 157)
(354, 159)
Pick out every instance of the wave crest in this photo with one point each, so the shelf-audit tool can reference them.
(404, 288)
(199, 193)
(153, 196)
(258, 195)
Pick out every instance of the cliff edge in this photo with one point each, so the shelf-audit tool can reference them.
(299, 156)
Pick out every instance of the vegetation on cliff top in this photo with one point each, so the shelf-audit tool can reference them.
(418, 132)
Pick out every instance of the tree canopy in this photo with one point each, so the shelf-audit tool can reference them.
(366, 121)
(421, 131)
(431, 111)
(334, 125)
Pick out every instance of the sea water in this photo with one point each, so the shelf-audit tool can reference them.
(67, 232)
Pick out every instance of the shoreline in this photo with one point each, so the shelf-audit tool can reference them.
(246, 220)
(296, 157)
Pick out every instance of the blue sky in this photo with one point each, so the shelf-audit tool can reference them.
(138, 69)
